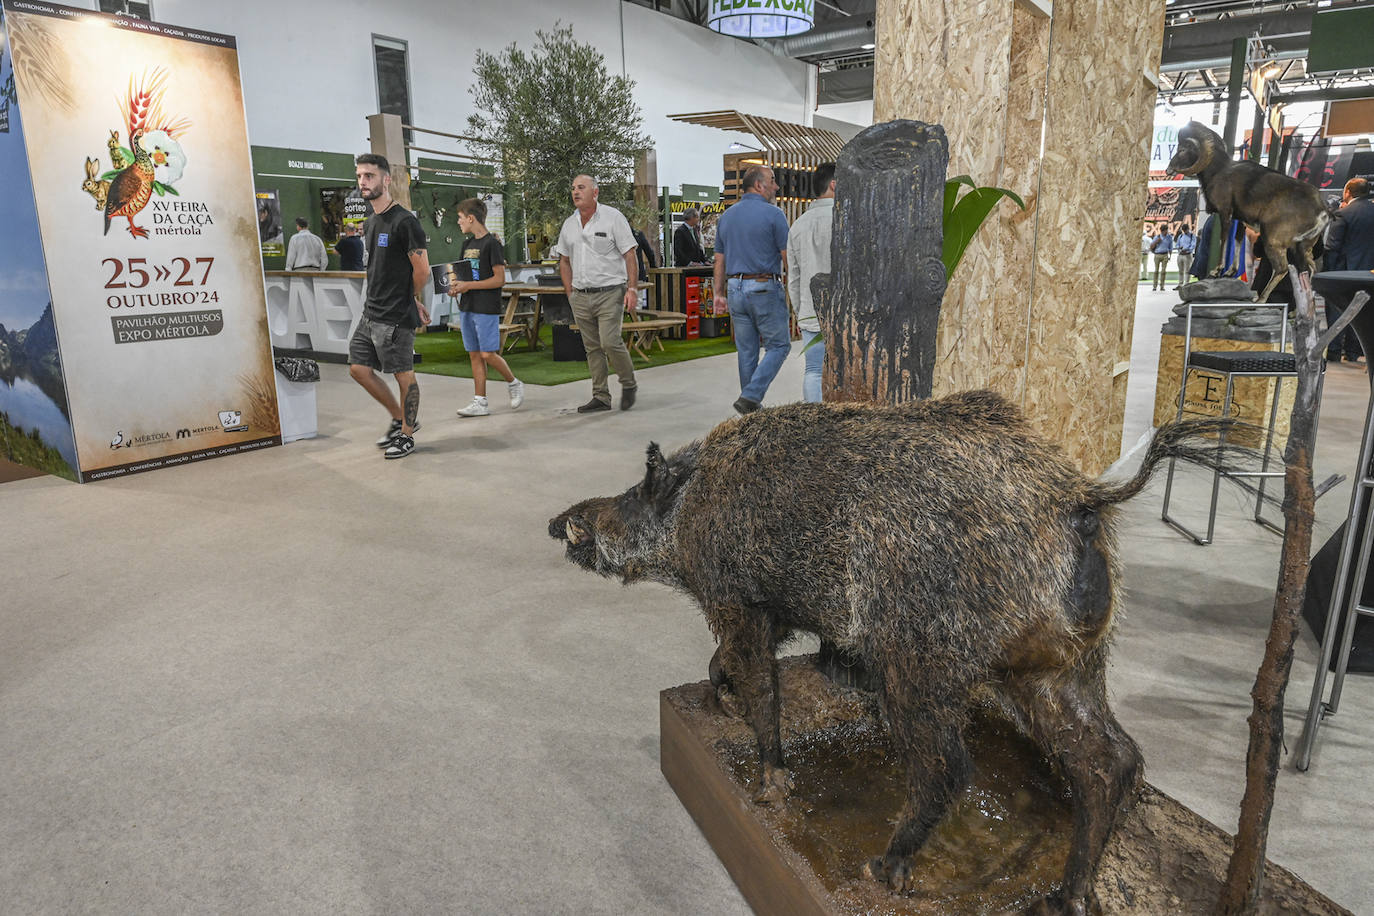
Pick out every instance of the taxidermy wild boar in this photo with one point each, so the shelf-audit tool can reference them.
(944, 543)
(1288, 214)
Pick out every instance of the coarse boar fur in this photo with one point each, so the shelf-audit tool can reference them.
(1288, 214)
(943, 542)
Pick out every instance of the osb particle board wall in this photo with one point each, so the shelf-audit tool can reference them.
(1040, 309)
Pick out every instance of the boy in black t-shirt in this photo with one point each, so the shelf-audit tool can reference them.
(478, 280)
(397, 275)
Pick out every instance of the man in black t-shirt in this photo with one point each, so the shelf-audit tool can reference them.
(478, 279)
(397, 274)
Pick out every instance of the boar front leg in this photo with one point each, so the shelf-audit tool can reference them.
(726, 696)
(748, 652)
(1074, 725)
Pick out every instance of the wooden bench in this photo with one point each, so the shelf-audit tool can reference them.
(645, 326)
(642, 328)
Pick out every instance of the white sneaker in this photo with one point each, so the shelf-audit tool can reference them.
(478, 408)
(517, 393)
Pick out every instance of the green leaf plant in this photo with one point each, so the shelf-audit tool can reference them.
(964, 216)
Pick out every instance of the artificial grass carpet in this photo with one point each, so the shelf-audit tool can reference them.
(444, 355)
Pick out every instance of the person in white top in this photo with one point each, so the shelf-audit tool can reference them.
(596, 259)
(808, 254)
(305, 251)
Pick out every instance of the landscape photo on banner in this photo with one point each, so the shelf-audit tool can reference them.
(35, 429)
(157, 287)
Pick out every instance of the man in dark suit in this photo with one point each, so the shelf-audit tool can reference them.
(1349, 246)
(687, 248)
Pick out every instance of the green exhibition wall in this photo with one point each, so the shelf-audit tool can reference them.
(298, 176)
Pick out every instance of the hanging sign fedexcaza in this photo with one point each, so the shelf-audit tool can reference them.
(761, 18)
(144, 195)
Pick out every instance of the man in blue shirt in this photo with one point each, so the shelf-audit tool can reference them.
(751, 249)
(1184, 243)
(1162, 246)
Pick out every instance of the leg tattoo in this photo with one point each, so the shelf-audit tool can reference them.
(412, 405)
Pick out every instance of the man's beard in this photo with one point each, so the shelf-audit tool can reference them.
(373, 194)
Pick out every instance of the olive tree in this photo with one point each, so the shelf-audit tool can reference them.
(552, 113)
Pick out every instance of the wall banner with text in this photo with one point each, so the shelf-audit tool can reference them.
(139, 157)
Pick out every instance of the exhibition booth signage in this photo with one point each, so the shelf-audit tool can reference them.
(133, 323)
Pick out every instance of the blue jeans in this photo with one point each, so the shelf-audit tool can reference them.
(758, 313)
(815, 362)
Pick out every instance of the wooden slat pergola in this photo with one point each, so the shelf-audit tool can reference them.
(783, 143)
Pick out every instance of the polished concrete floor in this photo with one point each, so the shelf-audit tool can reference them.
(307, 680)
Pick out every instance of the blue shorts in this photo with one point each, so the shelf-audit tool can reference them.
(481, 333)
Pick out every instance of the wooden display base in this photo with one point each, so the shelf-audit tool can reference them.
(1002, 847)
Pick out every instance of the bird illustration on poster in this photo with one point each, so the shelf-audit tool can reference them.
(152, 163)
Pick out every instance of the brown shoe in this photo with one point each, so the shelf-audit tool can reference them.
(593, 406)
(627, 398)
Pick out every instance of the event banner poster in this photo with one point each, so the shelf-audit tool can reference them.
(142, 178)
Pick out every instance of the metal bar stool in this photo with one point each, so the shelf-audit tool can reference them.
(1275, 364)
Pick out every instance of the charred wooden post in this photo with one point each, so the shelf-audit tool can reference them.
(1245, 873)
(879, 308)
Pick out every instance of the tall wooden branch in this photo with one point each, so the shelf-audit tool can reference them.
(880, 305)
(1245, 873)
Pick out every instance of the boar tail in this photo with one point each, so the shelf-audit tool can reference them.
(1188, 440)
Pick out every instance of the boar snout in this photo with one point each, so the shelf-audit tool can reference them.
(569, 528)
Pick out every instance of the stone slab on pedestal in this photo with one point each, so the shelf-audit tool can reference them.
(1001, 847)
(1217, 288)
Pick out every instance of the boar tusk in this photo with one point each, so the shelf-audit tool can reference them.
(574, 536)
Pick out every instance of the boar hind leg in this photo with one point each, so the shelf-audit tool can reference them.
(925, 724)
(748, 654)
(1074, 726)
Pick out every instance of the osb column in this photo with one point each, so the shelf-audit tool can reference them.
(995, 73)
(977, 67)
(1092, 190)
(646, 195)
(388, 139)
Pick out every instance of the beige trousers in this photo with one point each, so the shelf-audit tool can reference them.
(599, 317)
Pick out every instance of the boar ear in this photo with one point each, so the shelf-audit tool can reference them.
(661, 481)
(655, 467)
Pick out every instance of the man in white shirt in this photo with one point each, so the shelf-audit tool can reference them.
(305, 251)
(596, 259)
(808, 254)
